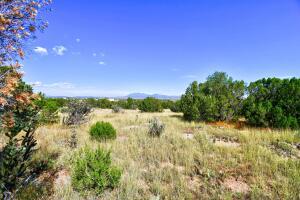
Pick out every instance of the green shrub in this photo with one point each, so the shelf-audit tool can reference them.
(104, 103)
(131, 104)
(218, 99)
(103, 131)
(274, 103)
(151, 104)
(92, 170)
(49, 110)
(35, 191)
(167, 104)
(176, 107)
(156, 127)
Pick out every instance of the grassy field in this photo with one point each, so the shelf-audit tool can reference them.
(189, 161)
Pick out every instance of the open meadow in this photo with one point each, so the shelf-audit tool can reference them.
(149, 100)
(189, 161)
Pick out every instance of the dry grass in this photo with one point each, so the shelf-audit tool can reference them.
(177, 166)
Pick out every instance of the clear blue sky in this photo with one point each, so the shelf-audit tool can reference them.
(115, 47)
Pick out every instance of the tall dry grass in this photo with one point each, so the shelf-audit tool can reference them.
(186, 162)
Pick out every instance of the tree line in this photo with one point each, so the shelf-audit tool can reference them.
(268, 102)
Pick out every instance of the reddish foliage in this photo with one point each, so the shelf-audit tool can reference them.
(18, 22)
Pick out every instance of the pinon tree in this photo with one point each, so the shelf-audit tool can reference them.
(19, 21)
(273, 102)
(219, 98)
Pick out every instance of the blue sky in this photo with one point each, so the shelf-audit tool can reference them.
(116, 47)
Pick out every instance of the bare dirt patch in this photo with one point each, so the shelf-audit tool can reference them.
(189, 133)
(62, 179)
(235, 185)
(143, 185)
(194, 183)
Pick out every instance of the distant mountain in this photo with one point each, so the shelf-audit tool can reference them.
(133, 95)
(157, 96)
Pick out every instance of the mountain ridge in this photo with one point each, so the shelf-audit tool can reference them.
(136, 95)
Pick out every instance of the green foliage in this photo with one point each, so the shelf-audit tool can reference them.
(190, 102)
(35, 191)
(274, 103)
(176, 107)
(156, 127)
(92, 102)
(218, 99)
(167, 104)
(92, 170)
(151, 105)
(131, 104)
(16, 156)
(49, 110)
(104, 103)
(103, 131)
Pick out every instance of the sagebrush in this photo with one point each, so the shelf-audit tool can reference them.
(93, 170)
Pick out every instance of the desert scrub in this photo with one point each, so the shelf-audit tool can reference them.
(77, 112)
(92, 171)
(117, 109)
(156, 127)
(103, 131)
(150, 105)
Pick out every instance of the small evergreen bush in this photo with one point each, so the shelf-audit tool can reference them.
(156, 127)
(103, 131)
(176, 107)
(151, 104)
(92, 170)
(49, 110)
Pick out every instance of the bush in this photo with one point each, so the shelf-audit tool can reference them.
(131, 104)
(218, 99)
(103, 131)
(49, 110)
(77, 112)
(273, 102)
(92, 170)
(116, 109)
(104, 103)
(18, 122)
(156, 127)
(151, 105)
(176, 107)
(92, 102)
(167, 104)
